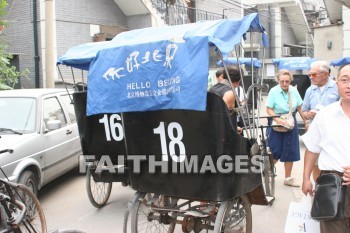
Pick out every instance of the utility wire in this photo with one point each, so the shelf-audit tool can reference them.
(251, 9)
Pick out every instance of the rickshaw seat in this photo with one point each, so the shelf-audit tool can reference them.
(209, 132)
(93, 141)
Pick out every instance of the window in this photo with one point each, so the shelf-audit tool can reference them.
(21, 117)
(68, 103)
(53, 112)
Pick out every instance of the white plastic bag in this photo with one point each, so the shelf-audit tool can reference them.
(299, 219)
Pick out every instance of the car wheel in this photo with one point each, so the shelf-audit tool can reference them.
(28, 179)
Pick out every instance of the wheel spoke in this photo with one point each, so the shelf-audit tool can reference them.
(98, 192)
(144, 219)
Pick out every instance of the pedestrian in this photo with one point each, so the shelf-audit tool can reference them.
(239, 91)
(224, 90)
(284, 146)
(219, 75)
(322, 92)
(328, 141)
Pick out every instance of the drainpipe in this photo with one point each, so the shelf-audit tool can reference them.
(36, 48)
(269, 30)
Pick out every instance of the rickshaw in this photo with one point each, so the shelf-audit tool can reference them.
(145, 119)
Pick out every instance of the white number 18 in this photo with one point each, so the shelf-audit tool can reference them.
(174, 140)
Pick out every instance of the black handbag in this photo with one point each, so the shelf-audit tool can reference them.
(329, 200)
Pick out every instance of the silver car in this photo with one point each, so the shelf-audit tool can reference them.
(39, 139)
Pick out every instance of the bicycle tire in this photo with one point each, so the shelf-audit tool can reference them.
(237, 213)
(98, 192)
(34, 220)
(138, 209)
(3, 218)
(268, 175)
(131, 203)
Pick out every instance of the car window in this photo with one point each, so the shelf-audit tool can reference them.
(53, 112)
(68, 103)
(20, 118)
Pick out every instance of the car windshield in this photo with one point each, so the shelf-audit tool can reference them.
(17, 115)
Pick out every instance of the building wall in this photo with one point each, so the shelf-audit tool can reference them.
(229, 9)
(346, 28)
(322, 37)
(19, 35)
(287, 30)
(139, 21)
(73, 21)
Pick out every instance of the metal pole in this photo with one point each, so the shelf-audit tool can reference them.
(49, 45)
(253, 94)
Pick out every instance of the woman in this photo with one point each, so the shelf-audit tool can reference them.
(284, 145)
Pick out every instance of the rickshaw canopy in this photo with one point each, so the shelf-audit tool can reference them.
(159, 67)
(293, 63)
(81, 56)
(341, 61)
(242, 60)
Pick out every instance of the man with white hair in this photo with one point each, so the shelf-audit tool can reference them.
(322, 92)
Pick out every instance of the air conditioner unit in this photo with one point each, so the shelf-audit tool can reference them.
(286, 51)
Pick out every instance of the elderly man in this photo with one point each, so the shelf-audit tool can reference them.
(321, 93)
(328, 139)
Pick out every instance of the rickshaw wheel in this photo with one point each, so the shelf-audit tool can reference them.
(144, 219)
(268, 175)
(98, 192)
(234, 216)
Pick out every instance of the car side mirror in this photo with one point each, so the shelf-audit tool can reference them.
(53, 124)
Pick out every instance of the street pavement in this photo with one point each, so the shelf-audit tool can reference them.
(272, 219)
(66, 205)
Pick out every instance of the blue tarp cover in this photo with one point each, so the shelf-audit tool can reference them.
(81, 56)
(341, 61)
(242, 60)
(159, 67)
(293, 63)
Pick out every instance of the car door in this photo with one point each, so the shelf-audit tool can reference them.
(59, 140)
(69, 107)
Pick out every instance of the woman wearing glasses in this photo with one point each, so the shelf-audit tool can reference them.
(284, 145)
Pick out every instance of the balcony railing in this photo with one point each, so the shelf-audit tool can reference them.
(176, 14)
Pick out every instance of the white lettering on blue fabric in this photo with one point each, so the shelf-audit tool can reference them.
(131, 61)
(111, 72)
(145, 58)
(156, 56)
(134, 60)
(169, 55)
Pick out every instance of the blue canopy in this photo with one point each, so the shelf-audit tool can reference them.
(242, 60)
(159, 67)
(81, 56)
(293, 63)
(341, 61)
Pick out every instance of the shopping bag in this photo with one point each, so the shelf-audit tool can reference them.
(299, 219)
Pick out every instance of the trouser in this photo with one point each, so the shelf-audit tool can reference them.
(341, 226)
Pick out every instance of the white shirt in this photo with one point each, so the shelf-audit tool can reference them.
(240, 93)
(329, 135)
